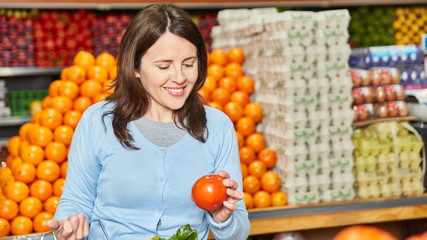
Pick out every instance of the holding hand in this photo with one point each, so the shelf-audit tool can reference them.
(73, 228)
(229, 205)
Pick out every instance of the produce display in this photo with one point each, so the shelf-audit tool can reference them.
(372, 26)
(17, 37)
(107, 31)
(228, 89)
(59, 35)
(409, 25)
(32, 180)
(388, 160)
(299, 63)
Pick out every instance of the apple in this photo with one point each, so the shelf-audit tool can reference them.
(357, 96)
(392, 109)
(390, 94)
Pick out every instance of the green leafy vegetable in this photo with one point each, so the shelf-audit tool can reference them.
(183, 233)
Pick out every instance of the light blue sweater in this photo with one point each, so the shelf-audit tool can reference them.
(137, 194)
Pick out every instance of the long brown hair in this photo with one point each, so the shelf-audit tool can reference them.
(130, 98)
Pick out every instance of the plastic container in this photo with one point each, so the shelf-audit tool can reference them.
(19, 100)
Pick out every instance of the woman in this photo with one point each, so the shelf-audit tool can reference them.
(135, 157)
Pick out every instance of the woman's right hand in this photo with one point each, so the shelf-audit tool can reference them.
(74, 227)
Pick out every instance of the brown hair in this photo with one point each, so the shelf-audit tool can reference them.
(130, 98)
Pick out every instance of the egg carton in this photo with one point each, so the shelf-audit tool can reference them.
(303, 197)
(332, 69)
(293, 20)
(280, 56)
(339, 53)
(332, 19)
(331, 37)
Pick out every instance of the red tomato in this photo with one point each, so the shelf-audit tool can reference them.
(209, 192)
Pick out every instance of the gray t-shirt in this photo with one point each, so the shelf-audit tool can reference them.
(159, 133)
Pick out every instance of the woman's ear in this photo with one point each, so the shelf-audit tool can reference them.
(137, 75)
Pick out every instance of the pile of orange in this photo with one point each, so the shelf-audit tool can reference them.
(229, 90)
(32, 180)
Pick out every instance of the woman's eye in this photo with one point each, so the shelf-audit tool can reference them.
(163, 67)
(189, 65)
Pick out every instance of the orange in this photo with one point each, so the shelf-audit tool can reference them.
(16, 191)
(216, 71)
(255, 141)
(33, 154)
(51, 204)
(270, 181)
(40, 222)
(244, 169)
(35, 118)
(72, 118)
(4, 227)
(204, 95)
(82, 103)
(25, 172)
(254, 111)
(247, 155)
(63, 75)
(246, 84)
(62, 103)
(228, 83)
(105, 60)
(68, 89)
(48, 170)
(268, 156)
(240, 97)
(257, 168)
(279, 198)
(40, 136)
(58, 185)
(209, 84)
(24, 129)
(251, 184)
(13, 145)
(97, 73)
(233, 110)
(84, 59)
(245, 126)
(8, 209)
(236, 55)
(53, 89)
(216, 105)
(46, 102)
(90, 88)
(30, 207)
(240, 139)
(21, 225)
(249, 200)
(14, 163)
(233, 70)
(218, 56)
(220, 95)
(113, 72)
(41, 189)
(63, 134)
(56, 151)
(100, 97)
(262, 199)
(51, 118)
(64, 169)
(76, 74)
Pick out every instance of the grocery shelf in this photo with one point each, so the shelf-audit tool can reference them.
(189, 4)
(377, 120)
(336, 214)
(28, 71)
(13, 121)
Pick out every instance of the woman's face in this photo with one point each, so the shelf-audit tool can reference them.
(168, 72)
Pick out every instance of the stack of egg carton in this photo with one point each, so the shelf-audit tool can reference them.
(299, 61)
(388, 160)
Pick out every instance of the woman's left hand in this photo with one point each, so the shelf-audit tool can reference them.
(229, 205)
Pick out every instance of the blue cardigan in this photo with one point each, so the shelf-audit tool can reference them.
(137, 194)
